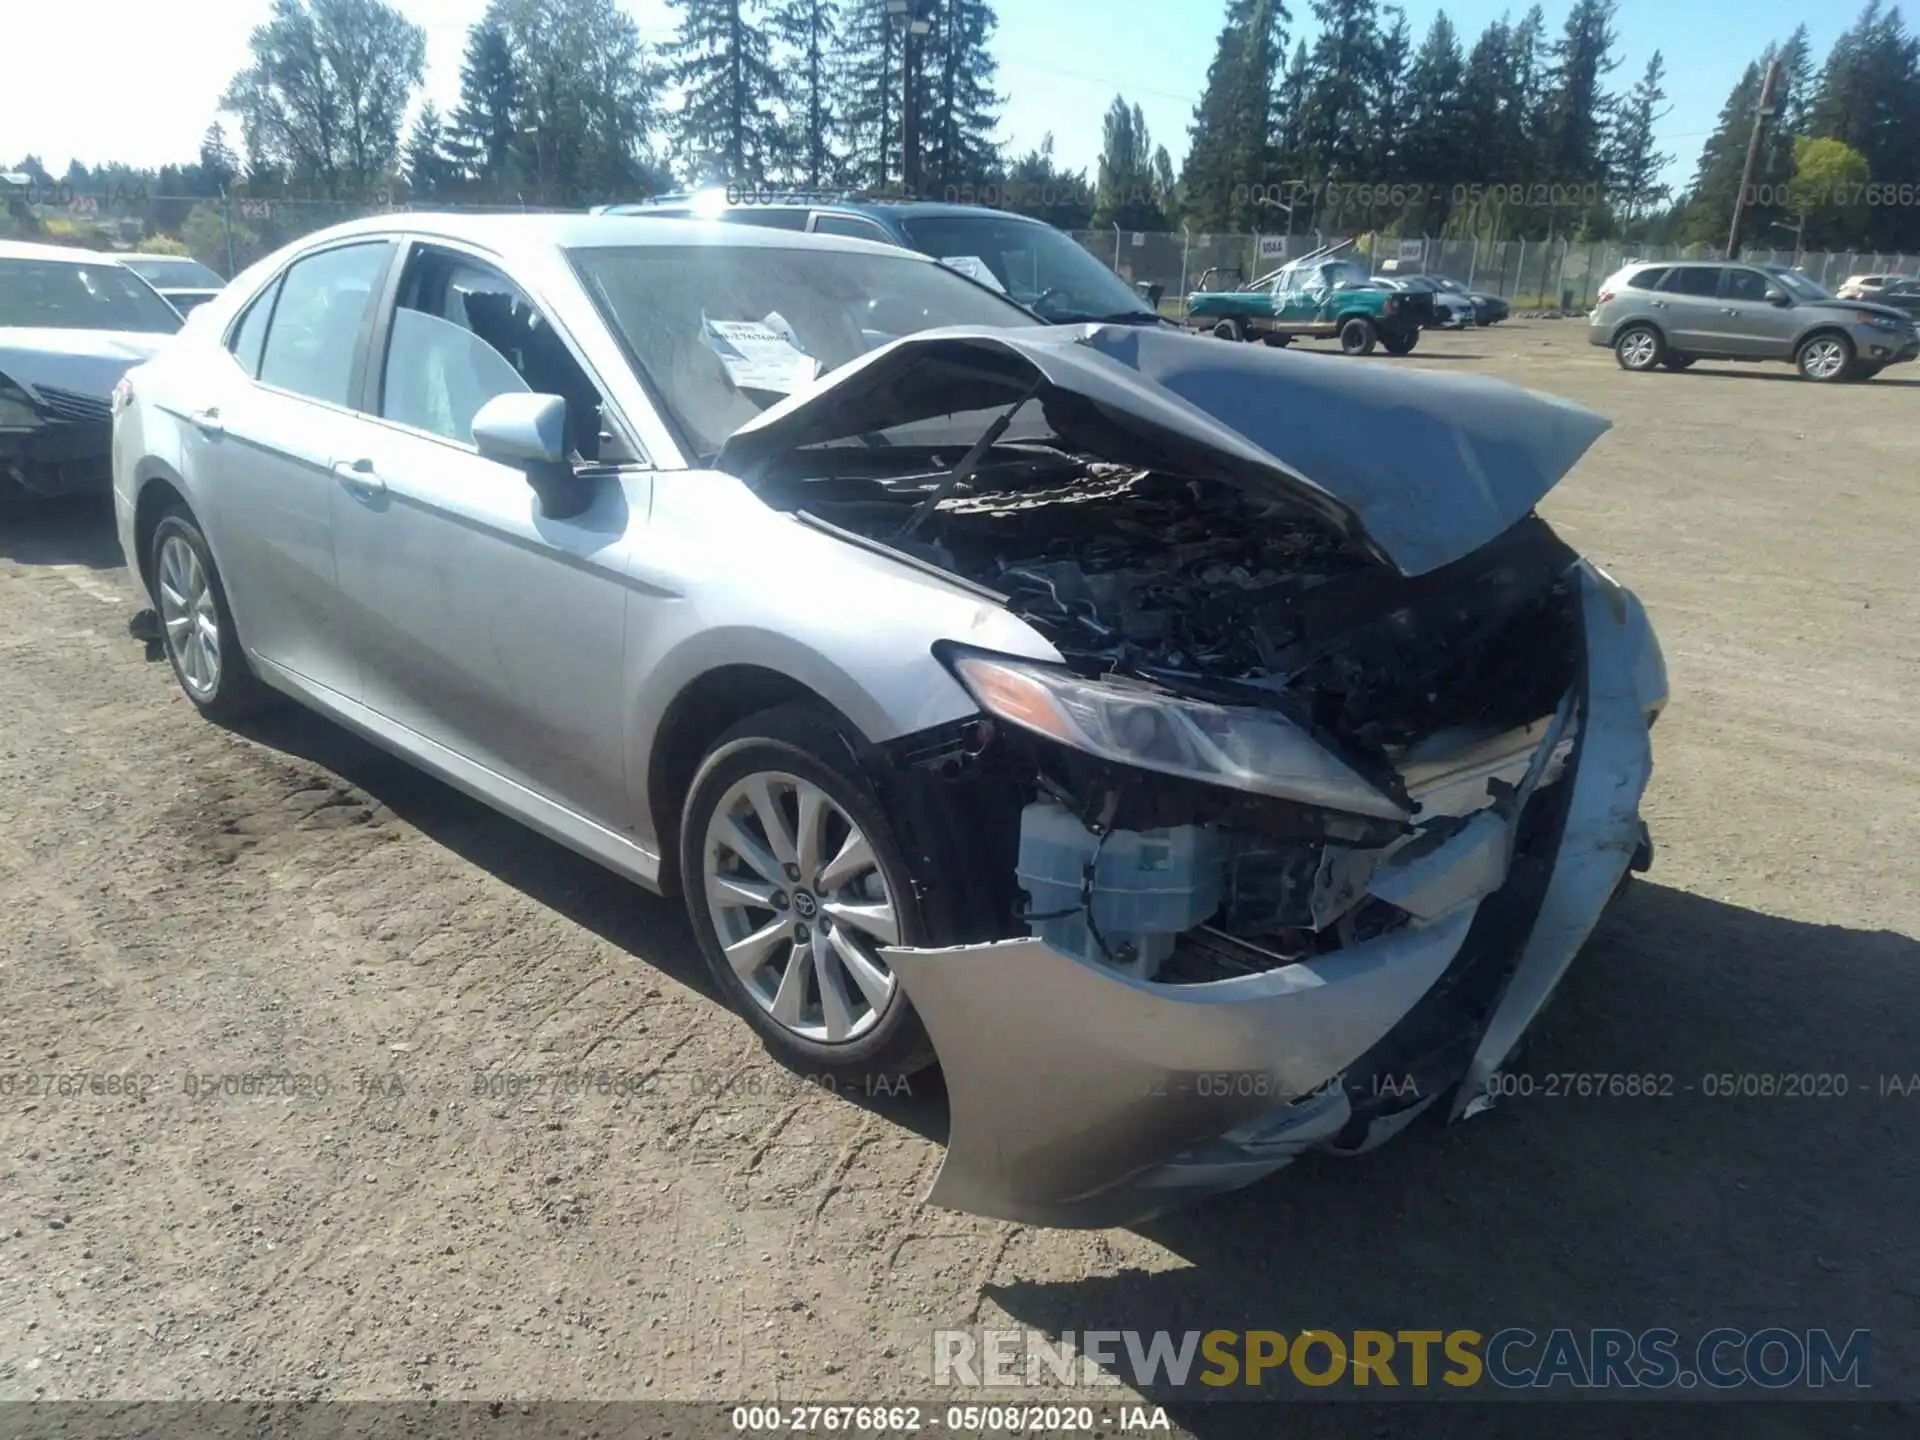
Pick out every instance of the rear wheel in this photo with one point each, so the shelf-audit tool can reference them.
(196, 625)
(1230, 330)
(1358, 336)
(1825, 358)
(794, 882)
(1677, 362)
(1639, 348)
(1400, 342)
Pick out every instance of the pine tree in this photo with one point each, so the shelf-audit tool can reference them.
(219, 166)
(1574, 107)
(1432, 153)
(809, 30)
(424, 160)
(960, 106)
(727, 129)
(485, 125)
(1634, 162)
(1387, 125)
(1289, 105)
(1126, 187)
(1230, 156)
(1346, 81)
(1716, 178)
(1037, 186)
(868, 87)
(1868, 97)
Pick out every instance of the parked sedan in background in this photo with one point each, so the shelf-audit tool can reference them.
(1866, 287)
(1451, 311)
(182, 282)
(1204, 752)
(71, 323)
(1487, 309)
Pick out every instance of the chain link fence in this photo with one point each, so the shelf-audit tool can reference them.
(231, 232)
(1536, 274)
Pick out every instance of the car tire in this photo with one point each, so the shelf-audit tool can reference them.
(785, 760)
(1677, 362)
(1400, 342)
(1230, 330)
(1278, 342)
(1639, 348)
(197, 629)
(1358, 336)
(1826, 357)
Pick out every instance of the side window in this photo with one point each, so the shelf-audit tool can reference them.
(250, 335)
(1693, 280)
(1745, 285)
(463, 333)
(1647, 279)
(852, 226)
(767, 217)
(316, 322)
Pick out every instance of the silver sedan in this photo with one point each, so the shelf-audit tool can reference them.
(1204, 753)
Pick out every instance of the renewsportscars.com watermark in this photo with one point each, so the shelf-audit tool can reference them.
(1516, 1358)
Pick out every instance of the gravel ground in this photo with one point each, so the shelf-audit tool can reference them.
(179, 900)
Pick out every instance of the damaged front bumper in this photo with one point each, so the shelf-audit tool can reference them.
(1083, 1097)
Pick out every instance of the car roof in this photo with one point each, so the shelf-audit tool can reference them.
(27, 250)
(148, 255)
(867, 206)
(512, 234)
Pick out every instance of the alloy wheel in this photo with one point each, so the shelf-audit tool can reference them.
(187, 611)
(1824, 359)
(799, 904)
(1639, 349)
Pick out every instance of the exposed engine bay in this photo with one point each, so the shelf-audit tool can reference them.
(1197, 588)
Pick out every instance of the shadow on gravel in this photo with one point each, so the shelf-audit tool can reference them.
(651, 929)
(1791, 376)
(60, 532)
(1688, 1212)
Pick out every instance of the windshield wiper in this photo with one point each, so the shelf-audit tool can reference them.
(969, 462)
(1118, 317)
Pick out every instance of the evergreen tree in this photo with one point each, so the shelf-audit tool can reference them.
(485, 126)
(1716, 178)
(219, 166)
(425, 163)
(1633, 160)
(1230, 156)
(1387, 125)
(727, 130)
(1289, 105)
(960, 108)
(1868, 97)
(1347, 72)
(868, 86)
(1126, 188)
(1037, 186)
(1432, 152)
(809, 29)
(1573, 106)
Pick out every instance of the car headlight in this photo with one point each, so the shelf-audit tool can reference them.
(1879, 322)
(1131, 724)
(16, 407)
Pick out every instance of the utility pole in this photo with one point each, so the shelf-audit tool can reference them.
(1760, 114)
(915, 19)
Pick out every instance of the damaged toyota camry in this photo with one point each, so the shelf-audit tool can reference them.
(1204, 754)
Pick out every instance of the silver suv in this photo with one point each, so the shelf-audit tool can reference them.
(1674, 313)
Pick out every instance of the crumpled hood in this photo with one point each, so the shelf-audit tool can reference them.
(1427, 467)
(86, 362)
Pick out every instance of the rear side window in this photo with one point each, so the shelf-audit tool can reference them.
(767, 217)
(1649, 278)
(315, 331)
(851, 226)
(250, 336)
(1693, 280)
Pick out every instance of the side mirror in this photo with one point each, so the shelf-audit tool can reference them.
(529, 432)
(1777, 296)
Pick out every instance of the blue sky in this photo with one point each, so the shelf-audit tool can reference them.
(136, 80)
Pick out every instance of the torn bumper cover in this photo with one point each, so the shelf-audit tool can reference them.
(1099, 1099)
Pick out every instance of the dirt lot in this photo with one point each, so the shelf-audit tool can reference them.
(179, 900)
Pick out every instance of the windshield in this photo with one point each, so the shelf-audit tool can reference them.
(1799, 285)
(720, 332)
(179, 274)
(1038, 265)
(69, 295)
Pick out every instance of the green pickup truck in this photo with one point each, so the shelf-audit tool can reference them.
(1314, 297)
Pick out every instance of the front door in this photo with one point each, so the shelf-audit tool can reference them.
(481, 624)
(1753, 327)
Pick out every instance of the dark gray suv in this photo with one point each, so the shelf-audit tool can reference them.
(1673, 313)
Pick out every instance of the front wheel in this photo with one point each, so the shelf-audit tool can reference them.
(1358, 336)
(1638, 348)
(197, 626)
(1824, 358)
(794, 882)
(1400, 342)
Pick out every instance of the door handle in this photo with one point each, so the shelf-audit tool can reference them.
(208, 420)
(1658, 304)
(360, 477)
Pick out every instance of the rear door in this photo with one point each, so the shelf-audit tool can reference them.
(1753, 327)
(271, 438)
(482, 625)
(1687, 307)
